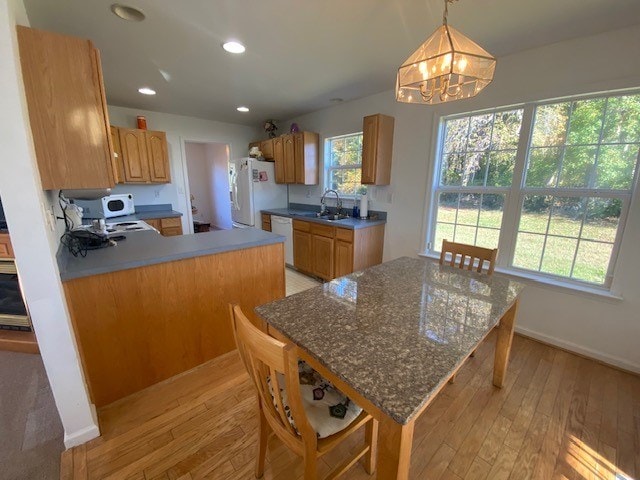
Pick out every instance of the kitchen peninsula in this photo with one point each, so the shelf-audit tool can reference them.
(153, 307)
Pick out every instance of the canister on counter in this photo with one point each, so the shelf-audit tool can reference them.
(142, 122)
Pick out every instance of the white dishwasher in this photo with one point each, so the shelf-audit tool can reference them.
(284, 226)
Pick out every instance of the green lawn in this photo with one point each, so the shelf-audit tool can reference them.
(593, 254)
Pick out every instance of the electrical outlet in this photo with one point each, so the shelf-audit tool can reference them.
(49, 217)
(308, 193)
(157, 192)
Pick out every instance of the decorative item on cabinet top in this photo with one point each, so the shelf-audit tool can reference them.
(140, 156)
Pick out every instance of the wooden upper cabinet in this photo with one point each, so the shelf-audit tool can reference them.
(306, 157)
(134, 156)
(159, 170)
(67, 110)
(117, 162)
(289, 159)
(266, 147)
(377, 148)
(6, 250)
(278, 158)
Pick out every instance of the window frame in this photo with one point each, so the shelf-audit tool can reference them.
(516, 193)
(329, 168)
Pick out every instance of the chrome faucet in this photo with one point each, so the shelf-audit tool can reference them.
(323, 205)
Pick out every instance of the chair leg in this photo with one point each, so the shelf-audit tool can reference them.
(310, 464)
(263, 436)
(371, 439)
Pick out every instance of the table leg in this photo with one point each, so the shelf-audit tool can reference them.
(394, 450)
(503, 345)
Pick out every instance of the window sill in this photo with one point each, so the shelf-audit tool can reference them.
(550, 283)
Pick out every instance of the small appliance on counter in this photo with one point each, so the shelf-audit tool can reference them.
(108, 207)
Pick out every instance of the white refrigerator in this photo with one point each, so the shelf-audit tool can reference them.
(253, 188)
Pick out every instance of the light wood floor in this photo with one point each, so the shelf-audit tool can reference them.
(559, 417)
(297, 282)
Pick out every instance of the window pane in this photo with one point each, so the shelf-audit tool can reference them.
(500, 172)
(480, 133)
(622, 121)
(447, 207)
(506, 130)
(592, 261)
(528, 251)
(577, 166)
(337, 150)
(488, 237)
(566, 217)
(601, 222)
(542, 170)
(586, 121)
(535, 213)
(558, 255)
(346, 181)
(465, 234)
(443, 231)
(346, 151)
(469, 209)
(616, 166)
(491, 211)
(452, 168)
(456, 132)
(550, 125)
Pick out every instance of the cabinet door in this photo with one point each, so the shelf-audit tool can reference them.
(157, 156)
(134, 156)
(155, 223)
(289, 160)
(369, 149)
(118, 164)
(298, 155)
(322, 256)
(302, 251)
(278, 158)
(63, 87)
(6, 250)
(343, 264)
(266, 147)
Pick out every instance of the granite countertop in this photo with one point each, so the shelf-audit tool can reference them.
(350, 223)
(148, 247)
(397, 331)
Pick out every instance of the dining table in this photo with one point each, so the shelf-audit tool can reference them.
(392, 336)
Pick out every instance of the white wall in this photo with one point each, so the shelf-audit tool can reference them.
(199, 180)
(180, 129)
(606, 329)
(34, 243)
(218, 156)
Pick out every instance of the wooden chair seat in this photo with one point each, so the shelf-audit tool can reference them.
(274, 370)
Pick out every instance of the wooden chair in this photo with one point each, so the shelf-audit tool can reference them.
(470, 252)
(473, 254)
(270, 363)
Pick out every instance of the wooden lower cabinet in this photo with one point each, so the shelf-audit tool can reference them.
(329, 252)
(168, 227)
(322, 257)
(266, 222)
(6, 250)
(343, 258)
(302, 251)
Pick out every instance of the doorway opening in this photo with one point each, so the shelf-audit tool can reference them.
(208, 178)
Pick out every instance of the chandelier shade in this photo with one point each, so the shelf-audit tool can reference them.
(447, 66)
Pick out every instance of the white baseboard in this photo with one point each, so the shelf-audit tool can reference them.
(81, 436)
(587, 352)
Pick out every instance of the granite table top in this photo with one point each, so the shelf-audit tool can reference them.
(397, 331)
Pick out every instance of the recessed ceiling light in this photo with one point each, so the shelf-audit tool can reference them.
(233, 47)
(243, 109)
(336, 100)
(147, 91)
(126, 12)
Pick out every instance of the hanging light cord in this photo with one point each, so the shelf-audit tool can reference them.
(446, 10)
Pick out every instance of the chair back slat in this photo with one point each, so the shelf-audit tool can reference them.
(472, 253)
(265, 358)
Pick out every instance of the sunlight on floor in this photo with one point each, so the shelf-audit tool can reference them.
(589, 463)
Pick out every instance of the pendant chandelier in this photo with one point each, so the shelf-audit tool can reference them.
(447, 66)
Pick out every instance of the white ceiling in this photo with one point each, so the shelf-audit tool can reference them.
(300, 53)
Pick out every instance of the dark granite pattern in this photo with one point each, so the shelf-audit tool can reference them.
(395, 332)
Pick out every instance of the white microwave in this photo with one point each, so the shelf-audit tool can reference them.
(107, 207)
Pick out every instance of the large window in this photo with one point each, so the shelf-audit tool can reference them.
(344, 160)
(549, 184)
